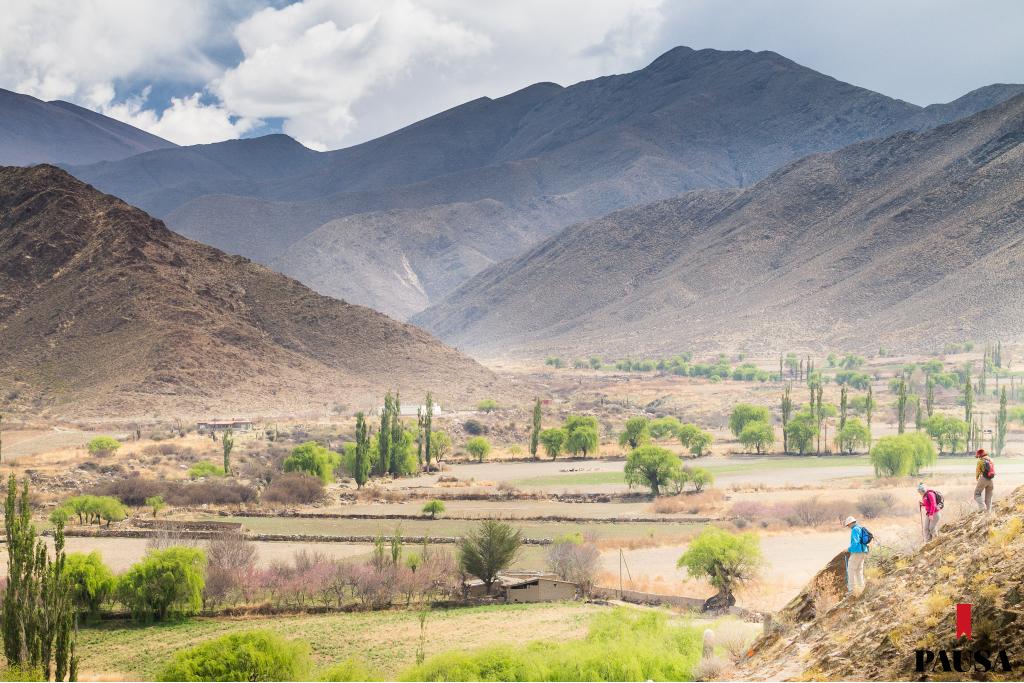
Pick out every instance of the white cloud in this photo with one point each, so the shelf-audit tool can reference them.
(187, 121)
(312, 61)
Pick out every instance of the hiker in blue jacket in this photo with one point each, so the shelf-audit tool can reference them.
(855, 560)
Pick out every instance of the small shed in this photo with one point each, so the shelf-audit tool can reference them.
(540, 589)
(235, 425)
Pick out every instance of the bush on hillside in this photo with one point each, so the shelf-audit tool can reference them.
(205, 468)
(103, 445)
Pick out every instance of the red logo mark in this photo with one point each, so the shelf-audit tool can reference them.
(963, 620)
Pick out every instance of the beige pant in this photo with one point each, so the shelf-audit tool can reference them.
(931, 529)
(984, 487)
(855, 571)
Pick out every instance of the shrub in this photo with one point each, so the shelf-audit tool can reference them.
(295, 488)
(156, 503)
(162, 583)
(244, 656)
(433, 508)
(700, 477)
(91, 581)
(735, 637)
(813, 512)
(314, 459)
(474, 427)
(623, 645)
(103, 445)
(875, 504)
(133, 490)
(694, 438)
(349, 670)
(209, 492)
(487, 405)
(479, 447)
(203, 469)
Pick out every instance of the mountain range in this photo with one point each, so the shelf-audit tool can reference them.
(907, 241)
(34, 132)
(104, 311)
(400, 222)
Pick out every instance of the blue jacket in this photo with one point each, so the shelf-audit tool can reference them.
(855, 540)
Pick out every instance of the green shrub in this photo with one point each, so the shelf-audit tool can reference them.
(103, 445)
(314, 459)
(164, 583)
(91, 509)
(478, 447)
(244, 656)
(205, 468)
(623, 645)
(91, 581)
(743, 413)
(665, 427)
(433, 508)
(898, 456)
(349, 670)
(487, 405)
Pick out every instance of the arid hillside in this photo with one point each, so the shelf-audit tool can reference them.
(493, 177)
(104, 311)
(903, 242)
(909, 604)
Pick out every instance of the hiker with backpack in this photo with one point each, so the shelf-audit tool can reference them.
(985, 472)
(931, 506)
(860, 537)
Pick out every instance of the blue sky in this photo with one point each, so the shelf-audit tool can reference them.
(336, 72)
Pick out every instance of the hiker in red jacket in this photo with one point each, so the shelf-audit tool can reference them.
(985, 472)
(930, 504)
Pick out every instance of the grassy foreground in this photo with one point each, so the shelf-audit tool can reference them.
(385, 641)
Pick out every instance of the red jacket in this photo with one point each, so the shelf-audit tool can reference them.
(928, 503)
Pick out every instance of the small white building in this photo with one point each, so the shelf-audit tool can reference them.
(235, 425)
(411, 409)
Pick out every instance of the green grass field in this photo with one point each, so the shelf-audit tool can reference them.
(454, 527)
(385, 641)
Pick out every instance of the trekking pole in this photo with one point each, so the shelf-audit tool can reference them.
(924, 535)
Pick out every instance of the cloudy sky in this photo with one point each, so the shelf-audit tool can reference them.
(336, 72)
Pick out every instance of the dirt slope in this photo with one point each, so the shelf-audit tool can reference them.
(104, 311)
(905, 242)
(909, 604)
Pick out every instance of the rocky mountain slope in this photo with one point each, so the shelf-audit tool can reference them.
(33, 132)
(495, 176)
(104, 311)
(903, 242)
(909, 604)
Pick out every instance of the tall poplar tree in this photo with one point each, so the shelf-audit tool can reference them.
(384, 437)
(1001, 424)
(930, 396)
(396, 456)
(787, 410)
(38, 611)
(901, 404)
(362, 462)
(843, 397)
(869, 409)
(535, 432)
(428, 425)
